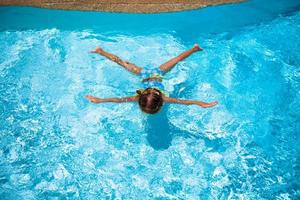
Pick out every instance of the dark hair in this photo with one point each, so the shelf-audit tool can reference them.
(150, 100)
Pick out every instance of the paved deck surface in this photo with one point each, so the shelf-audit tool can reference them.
(135, 6)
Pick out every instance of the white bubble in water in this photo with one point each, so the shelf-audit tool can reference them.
(140, 182)
(19, 179)
(61, 172)
(213, 157)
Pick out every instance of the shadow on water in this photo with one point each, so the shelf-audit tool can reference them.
(158, 130)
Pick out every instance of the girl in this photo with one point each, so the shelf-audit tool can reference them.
(152, 96)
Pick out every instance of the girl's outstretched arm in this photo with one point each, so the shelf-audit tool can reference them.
(116, 100)
(190, 102)
(127, 65)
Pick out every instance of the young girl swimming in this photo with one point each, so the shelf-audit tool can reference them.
(152, 96)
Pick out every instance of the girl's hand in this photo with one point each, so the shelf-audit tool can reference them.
(92, 99)
(207, 105)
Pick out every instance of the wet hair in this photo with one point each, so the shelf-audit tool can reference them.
(150, 100)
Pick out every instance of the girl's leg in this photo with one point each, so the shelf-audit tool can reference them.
(171, 63)
(127, 65)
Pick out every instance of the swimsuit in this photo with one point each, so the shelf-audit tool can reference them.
(156, 83)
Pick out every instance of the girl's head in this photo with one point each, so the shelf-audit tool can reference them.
(150, 100)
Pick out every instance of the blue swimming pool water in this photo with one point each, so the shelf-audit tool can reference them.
(56, 145)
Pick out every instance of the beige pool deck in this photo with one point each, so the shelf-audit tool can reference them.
(133, 6)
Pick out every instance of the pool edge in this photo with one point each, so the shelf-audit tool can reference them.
(128, 6)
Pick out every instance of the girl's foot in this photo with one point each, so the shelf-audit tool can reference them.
(97, 50)
(197, 48)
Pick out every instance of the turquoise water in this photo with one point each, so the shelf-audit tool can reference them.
(56, 145)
